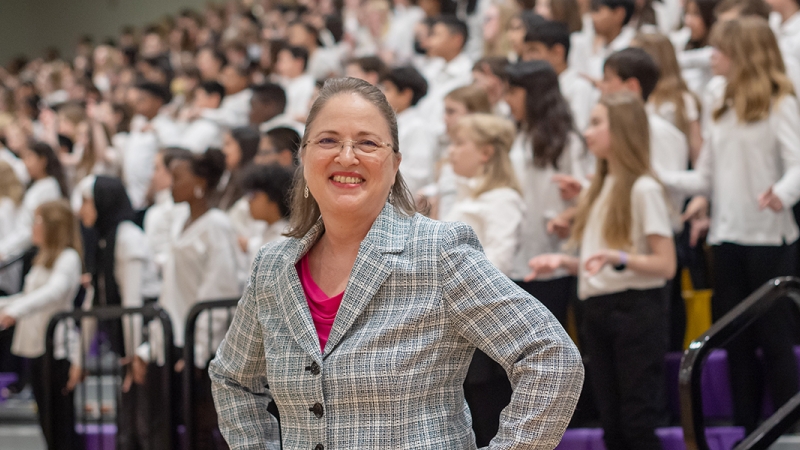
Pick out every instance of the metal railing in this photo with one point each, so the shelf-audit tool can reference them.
(227, 308)
(720, 333)
(106, 365)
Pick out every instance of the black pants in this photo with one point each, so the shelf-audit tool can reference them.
(62, 436)
(738, 271)
(626, 340)
(487, 391)
(554, 294)
(142, 419)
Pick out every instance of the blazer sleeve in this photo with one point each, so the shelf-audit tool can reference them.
(518, 332)
(239, 381)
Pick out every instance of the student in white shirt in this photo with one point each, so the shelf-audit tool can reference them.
(268, 188)
(489, 201)
(547, 146)
(159, 216)
(550, 41)
(671, 99)
(267, 109)
(151, 129)
(750, 168)
(204, 264)
(452, 67)
(279, 145)
(785, 21)
(240, 147)
(626, 257)
(48, 184)
(322, 62)
(612, 33)
(691, 44)
(234, 111)
(296, 81)
(200, 132)
(50, 288)
(489, 74)
(633, 70)
(404, 87)
(123, 275)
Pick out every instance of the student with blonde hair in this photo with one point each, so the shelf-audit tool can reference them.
(671, 99)
(490, 201)
(750, 168)
(11, 193)
(489, 198)
(50, 288)
(627, 254)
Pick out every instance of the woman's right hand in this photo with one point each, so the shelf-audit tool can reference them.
(543, 265)
(137, 372)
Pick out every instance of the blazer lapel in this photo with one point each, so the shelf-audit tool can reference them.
(292, 299)
(370, 270)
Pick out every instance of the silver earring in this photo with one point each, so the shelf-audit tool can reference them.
(305, 192)
(198, 192)
(390, 197)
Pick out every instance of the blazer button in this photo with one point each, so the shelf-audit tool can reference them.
(313, 368)
(319, 447)
(317, 410)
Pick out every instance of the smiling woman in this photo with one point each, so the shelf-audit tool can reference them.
(364, 322)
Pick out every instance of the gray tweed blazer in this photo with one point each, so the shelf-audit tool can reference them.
(421, 297)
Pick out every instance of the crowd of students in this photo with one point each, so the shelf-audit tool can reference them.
(585, 143)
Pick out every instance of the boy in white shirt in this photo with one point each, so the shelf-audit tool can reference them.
(404, 87)
(235, 107)
(200, 133)
(322, 62)
(450, 68)
(299, 85)
(550, 41)
(610, 19)
(267, 109)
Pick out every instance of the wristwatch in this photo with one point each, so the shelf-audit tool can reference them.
(623, 262)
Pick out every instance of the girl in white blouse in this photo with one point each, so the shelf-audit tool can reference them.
(750, 168)
(50, 288)
(203, 264)
(48, 183)
(488, 199)
(546, 147)
(627, 255)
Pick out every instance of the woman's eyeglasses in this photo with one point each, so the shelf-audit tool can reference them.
(363, 146)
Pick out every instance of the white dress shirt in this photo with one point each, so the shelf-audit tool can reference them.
(400, 37)
(201, 134)
(580, 94)
(650, 215)
(669, 152)
(443, 77)
(738, 163)
(203, 265)
(695, 64)
(19, 239)
(271, 233)
(282, 120)
(16, 165)
(788, 35)
(298, 94)
(234, 111)
(495, 216)
(46, 293)
(144, 141)
(542, 197)
(418, 148)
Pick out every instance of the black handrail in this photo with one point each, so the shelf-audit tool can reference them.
(148, 312)
(188, 359)
(720, 333)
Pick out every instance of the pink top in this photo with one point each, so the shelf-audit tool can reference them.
(323, 308)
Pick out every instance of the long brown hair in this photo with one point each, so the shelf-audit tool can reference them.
(305, 211)
(60, 232)
(757, 75)
(671, 87)
(10, 186)
(630, 145)
(488, 129)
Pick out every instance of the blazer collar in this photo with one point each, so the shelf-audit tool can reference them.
(387, 235)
